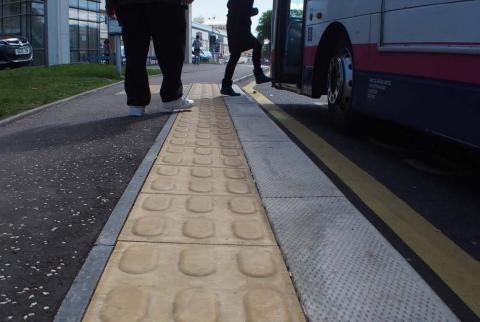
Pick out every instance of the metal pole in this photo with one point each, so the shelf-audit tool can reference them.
(118, 56)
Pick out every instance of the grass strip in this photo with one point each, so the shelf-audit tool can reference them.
(26, 88)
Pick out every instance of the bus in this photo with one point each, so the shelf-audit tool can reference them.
(413, 62)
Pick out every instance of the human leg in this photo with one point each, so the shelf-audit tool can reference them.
(257, 67)
(167, 25)
(229, 70)
(136, 40)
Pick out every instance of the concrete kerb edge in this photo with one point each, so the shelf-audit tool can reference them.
(263, 198)
(78, 297)
(52, 104)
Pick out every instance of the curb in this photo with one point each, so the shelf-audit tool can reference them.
(78, 297)
(43, 107)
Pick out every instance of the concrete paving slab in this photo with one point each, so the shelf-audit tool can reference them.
(194, 283)
(344, 269)
(258, 128)
(282, 170)
(199, 220)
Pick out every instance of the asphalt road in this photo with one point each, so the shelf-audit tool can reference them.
(62, 172)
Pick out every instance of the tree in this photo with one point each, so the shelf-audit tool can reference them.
(264, 31)
(264, 27)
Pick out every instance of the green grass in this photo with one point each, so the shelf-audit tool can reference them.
(25, 88)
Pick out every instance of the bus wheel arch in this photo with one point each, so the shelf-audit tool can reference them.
(333, 74)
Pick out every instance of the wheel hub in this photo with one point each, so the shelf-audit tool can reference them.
(340, 79)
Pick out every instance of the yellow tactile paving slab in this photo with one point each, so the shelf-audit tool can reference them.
(190, 156)
(194, 283)
(198, 180)
(198, 219)
(197, 245)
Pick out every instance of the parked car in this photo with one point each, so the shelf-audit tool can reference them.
(15, 51)
(206, 55)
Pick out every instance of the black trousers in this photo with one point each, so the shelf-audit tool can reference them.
(235, 56)
(165, 24)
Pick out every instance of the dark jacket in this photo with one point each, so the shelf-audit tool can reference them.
(239, 24)
(116, 3)
(239, 15)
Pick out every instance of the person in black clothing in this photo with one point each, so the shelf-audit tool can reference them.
(106, 50)
(241, 39)
(164, 22)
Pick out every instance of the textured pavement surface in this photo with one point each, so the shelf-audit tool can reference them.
(63, 170)
(197, 245)
(439, 180)
(342, 267)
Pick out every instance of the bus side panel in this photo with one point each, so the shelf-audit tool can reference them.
(435, 92)
(445, 108)
(437, 25)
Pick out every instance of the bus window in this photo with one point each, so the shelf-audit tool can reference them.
(293, 42)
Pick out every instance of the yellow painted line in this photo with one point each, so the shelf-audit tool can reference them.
(454, 266)
(197, 245)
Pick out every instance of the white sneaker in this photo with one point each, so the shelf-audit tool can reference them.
(137, 111)
(180, 104)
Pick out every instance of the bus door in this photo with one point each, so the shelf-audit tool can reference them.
(288, 26)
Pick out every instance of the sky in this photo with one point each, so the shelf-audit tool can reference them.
(218, 9)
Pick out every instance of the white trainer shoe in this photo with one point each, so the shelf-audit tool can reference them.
(137, 111)
(178, 105)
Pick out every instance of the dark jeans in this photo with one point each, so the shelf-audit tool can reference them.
(235, 56)
(165, 24)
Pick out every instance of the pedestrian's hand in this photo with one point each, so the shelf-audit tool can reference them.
(254, 12)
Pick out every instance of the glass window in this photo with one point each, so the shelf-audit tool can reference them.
(83, 56)
(83, 4)
(93, 6)
(11, 25)
(39, 57)
(93, 16)
(93, 35)
(11, 9)
(73, 3)
(296, 8)
(73, 13)
(38, 8)
(83, 35)
(74, 56)
(73, 34)
(83, 15)
(38, 24)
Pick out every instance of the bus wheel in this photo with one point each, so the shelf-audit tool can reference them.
(339, 86)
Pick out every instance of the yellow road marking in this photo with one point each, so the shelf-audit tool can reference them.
(454, 266)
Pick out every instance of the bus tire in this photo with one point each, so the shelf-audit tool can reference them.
(340, 85)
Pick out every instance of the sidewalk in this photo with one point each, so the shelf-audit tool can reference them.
(197, 244)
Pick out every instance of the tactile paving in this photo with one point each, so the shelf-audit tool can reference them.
(209, 157)
(197, 245)
(194, 283)
(198, 180)
(198, 219)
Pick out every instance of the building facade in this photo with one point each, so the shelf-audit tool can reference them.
(60, 31)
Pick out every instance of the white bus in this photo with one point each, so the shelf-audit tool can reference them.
(414, 62)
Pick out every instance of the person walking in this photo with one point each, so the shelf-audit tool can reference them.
(240, 39)
(106, 50)
(164, 22)
(197, 45)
